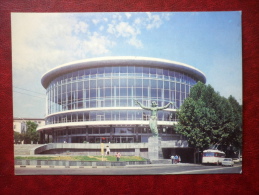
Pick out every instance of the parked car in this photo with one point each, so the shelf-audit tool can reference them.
(228, 162)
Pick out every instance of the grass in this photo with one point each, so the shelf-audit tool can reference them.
(81, 158)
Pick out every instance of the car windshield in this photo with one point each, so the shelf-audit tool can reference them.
(227, 159)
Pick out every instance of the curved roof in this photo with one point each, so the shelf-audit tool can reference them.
(118, 61)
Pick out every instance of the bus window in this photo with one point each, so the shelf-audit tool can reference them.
(207, 154)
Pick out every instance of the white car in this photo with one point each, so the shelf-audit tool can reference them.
(228, 162)
(236, 160)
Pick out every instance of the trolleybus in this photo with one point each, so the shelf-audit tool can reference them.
(213, 156)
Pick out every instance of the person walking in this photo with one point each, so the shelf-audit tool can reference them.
(176, 159)
(118, 155)
(172, 157)
(107, 151)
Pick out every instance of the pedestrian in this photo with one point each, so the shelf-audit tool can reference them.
(107, 150)
(179, 159)
(118, 155)
(172, 157)
(176, 159)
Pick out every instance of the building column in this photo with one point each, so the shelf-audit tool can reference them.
(137, 151)
(67, 134)
(136, 132)
(86, 134)
(111, 133)
(41, 137)
(53, 136)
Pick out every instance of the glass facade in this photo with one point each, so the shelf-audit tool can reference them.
(77, 96)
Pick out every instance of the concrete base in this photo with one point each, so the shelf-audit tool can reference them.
(161, 161)
(154, 148)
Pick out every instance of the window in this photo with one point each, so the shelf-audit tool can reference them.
(160, 84)
(115, 82)
(92, 83)
(208, 154)
(166, 94)
(131, 69)
(108, 92)
(153, 84)
(108, 70)
(130, 82)
(93, 71)
(139, 69)
(177, 86)
(107, 82)
(123, 91)
(152, 71)
(93, 93)
(138, 82)
(145, 70)
(100, 83)
(123, 82)
(124, 69)
(145, 92)
(154, 93)
(115, 69)
(100, 70)
(159, 71)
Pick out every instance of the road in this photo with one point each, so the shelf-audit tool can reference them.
(131, 170)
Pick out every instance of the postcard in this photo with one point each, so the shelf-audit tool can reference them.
(127, 93)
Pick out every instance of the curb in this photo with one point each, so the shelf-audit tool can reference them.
(66, 167)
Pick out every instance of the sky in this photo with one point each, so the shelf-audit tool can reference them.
(208, 41)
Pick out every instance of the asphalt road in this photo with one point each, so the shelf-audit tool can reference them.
(131, 170)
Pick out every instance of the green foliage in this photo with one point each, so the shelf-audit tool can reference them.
(31, 135)
(17, 137)
(206, 118)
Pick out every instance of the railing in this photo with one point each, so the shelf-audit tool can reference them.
(86, 146)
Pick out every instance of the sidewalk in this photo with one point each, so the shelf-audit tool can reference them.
(164, 165)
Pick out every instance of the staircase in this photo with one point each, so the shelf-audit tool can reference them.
(24, 149)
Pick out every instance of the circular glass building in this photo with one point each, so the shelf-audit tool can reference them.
(94, 100)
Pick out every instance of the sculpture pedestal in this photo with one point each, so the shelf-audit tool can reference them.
(154, 148)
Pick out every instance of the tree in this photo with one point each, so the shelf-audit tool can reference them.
(236, 137)
(17, 137)
(206, 118)
(31, 135)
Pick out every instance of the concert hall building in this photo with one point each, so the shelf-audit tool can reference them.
(93, 100)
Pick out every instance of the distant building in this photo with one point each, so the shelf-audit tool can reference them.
(93, 100)
(19, 124)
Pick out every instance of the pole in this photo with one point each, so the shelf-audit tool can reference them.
(102, 150)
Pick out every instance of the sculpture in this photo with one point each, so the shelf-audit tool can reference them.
(153, 117)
